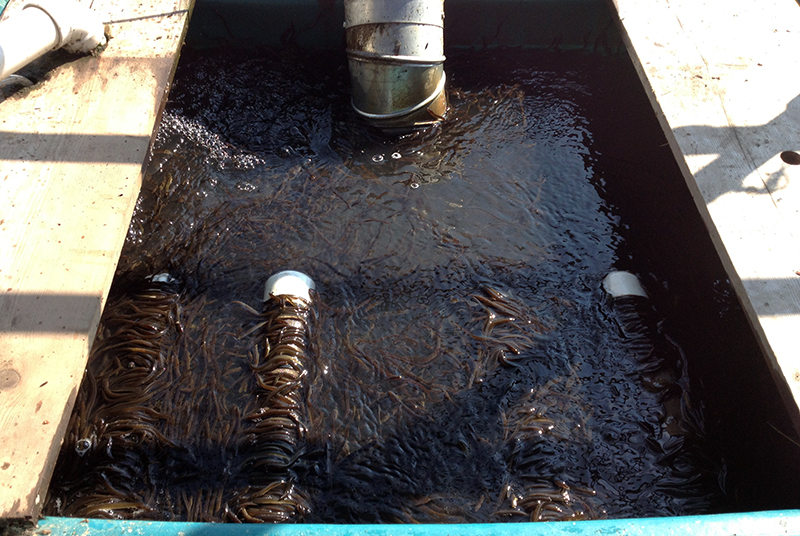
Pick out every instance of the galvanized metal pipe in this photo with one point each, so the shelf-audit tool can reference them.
(395, 51)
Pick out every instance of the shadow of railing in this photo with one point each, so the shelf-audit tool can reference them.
(30, 312)
(106, 148)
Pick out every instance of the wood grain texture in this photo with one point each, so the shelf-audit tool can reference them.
(722, 77)
(72, 150)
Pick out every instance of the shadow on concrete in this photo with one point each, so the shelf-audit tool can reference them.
(35, 147)
(24, 312)
(756, 146)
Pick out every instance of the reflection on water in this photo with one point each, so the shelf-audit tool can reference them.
(464, 364)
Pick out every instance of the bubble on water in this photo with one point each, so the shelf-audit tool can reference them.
(175, 127)
(377, 158)
(415, 185)
(396, 155)
(245, 186)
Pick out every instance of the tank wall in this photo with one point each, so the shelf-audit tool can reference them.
(560, 24)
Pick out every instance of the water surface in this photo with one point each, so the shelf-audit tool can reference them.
(465, 364)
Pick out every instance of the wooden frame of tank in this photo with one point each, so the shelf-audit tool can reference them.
(719, 76)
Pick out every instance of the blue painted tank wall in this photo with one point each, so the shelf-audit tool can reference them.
(761, 523)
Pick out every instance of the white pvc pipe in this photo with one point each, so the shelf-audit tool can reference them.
(24, 37)
(46, 25)
(619, 284)
(289, 283)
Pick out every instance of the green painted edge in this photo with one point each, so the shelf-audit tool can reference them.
(780, 522)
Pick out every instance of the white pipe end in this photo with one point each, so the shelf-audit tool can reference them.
(80, 29)
(289, 283)
(619, 284)
(163, 277)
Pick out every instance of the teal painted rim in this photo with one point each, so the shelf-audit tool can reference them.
(784, 522)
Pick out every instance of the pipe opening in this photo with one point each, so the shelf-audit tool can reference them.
(46, 25)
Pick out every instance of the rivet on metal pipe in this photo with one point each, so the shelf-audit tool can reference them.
(395, 51)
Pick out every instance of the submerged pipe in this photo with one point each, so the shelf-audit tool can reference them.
(660, 360)
(633, 310)
(42, 26)
(278, 427)
(620, 284)
(395, 52)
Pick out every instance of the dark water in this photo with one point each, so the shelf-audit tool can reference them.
(464, 363)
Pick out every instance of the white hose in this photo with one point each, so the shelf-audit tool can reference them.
(45, 25)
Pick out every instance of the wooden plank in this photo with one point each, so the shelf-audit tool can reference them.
(722, 77)
(71, 157)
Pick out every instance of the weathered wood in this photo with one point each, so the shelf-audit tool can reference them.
(722, 77)
(71, 156)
